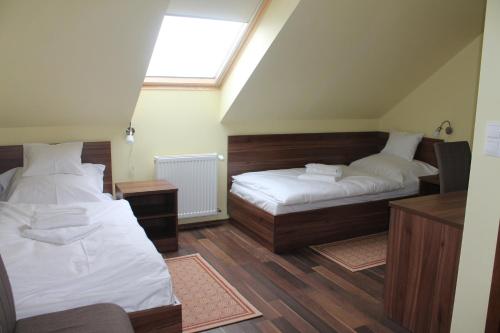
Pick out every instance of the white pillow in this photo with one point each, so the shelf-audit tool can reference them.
(5, 179)
(96, 173)
(61, 189)
(394, 167)
(402, 144)
(420, 169)
(42, 159)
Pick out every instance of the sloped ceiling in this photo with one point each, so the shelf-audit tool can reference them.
(354, 59)
(74, 62)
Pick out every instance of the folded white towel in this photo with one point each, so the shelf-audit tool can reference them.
(324, 169)
(60, 236)
(59, 218)
(319, 178)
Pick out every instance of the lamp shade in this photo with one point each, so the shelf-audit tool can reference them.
(130, 139)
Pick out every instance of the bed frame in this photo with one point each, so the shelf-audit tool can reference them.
(287, 232)
(166, 319)
(92, 152)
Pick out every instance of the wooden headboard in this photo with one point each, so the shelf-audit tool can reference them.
(93, 152)
(280, 151)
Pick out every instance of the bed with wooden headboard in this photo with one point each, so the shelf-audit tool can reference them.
(161, 319)
(92, 152)
(280, 233)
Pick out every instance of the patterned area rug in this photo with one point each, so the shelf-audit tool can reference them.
(356, 254)
(208, 300)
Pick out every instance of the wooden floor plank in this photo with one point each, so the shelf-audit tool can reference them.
(268, 327)
(300, 291)
(293, 317)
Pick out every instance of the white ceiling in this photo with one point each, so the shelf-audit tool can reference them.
(354, 59)
(74, 62)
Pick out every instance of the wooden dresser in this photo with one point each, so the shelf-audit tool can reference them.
(493, 318)
(423, 253)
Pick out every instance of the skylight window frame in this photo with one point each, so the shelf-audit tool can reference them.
(155, 82)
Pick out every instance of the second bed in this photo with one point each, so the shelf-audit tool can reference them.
(268, 200)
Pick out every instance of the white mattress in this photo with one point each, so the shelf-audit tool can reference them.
(310, 191)
(116, 264)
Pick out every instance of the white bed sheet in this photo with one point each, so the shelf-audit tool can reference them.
(285, 187)
(116, 264)
(287, 177)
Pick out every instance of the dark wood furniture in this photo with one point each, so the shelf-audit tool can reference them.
(154, 203)
(167, 318)
(281, 151)
(429, 185)
(493, 318)
(454, 159)
(163, 319)
(423, 253)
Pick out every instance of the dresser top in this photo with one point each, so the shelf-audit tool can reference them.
(446, 208)
(144, 187)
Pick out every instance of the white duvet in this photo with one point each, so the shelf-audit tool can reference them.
(285, 187)
(116, 264)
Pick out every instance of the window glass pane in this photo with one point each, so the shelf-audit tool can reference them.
(194, 48)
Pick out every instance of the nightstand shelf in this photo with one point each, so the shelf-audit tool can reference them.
(154, 203)
(429, 185)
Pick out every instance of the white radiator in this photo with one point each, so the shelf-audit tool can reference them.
(196, 178)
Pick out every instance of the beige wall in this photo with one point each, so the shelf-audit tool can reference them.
(170, 122)
(268, 27)
(74, 63)
(449, 94)
(354, 59)
(483, 205)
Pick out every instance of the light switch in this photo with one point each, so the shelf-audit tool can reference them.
(492, 145)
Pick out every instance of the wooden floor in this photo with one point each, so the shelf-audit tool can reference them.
(297, 292)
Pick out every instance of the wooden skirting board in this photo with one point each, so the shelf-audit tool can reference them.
(203, 224)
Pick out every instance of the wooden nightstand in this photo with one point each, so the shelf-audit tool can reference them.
(154, 203)
(429, 185)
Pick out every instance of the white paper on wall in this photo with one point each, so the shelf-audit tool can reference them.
(492, 145)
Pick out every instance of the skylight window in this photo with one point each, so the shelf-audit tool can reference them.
(198, 40)
(194, 48)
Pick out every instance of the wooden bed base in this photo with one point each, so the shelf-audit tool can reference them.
(286, 232)
(282, 233)
(164, 319)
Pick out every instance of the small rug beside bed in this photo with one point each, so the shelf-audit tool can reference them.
(358, 253)
(208, 300)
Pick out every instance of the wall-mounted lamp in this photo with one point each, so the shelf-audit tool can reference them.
(448, 129)
(129, 132)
